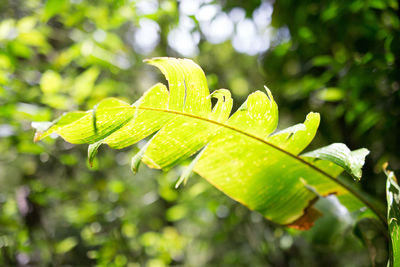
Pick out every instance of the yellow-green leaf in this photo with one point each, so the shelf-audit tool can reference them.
(242, 155)
(393, 216)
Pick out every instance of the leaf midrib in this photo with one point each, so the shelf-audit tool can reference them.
(315, 168)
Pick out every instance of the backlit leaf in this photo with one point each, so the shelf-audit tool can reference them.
(340, 154)
(393, 215)
(241, 156)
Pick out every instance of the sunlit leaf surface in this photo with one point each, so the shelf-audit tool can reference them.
(340, 154)
(242, 155)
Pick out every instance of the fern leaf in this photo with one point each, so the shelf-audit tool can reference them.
(393, 216)
(241, 156)
(340, 154)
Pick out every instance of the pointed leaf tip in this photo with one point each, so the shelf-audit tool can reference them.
(92, 151)
(40, 128)
(222, 109)
(136, 159)
(135, 162)
(269, 93)
(37, 138)
(341, 155)
(188, 170)
(313, 115)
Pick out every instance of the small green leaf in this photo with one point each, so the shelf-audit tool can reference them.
(340, 154)
(393, 215)
(188, 170)
(92, 151)
(135, 161)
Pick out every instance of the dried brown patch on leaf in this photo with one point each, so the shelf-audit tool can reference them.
(306, 221)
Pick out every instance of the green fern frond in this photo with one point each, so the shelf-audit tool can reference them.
(241, 154)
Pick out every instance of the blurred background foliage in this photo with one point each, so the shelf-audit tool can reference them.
(339, 58)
